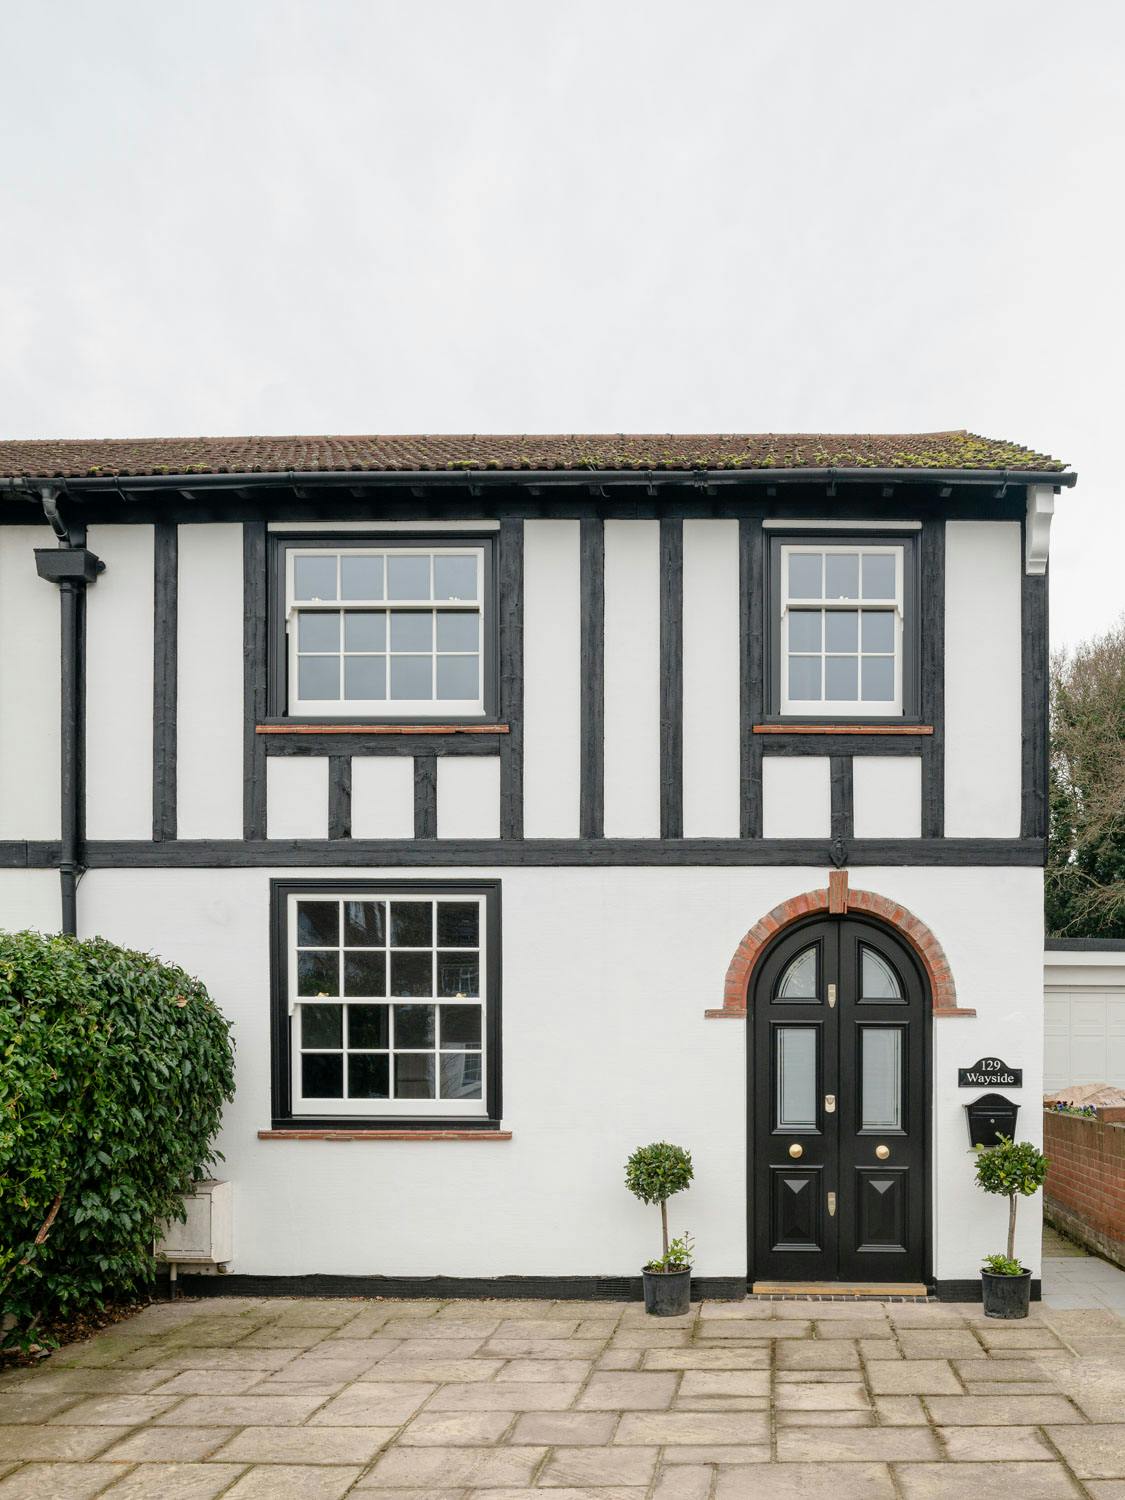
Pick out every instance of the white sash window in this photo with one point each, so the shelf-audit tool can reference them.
(385, 632)
(842, 624)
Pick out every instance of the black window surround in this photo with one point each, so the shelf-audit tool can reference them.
(771, 596)
(281, 543)
(282, 1115)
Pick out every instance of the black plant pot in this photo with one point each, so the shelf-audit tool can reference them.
(1006, 1296)
(667, 1293)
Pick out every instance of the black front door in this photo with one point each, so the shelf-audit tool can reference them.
(838, 1103)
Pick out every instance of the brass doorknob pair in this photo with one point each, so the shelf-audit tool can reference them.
(796, 1150)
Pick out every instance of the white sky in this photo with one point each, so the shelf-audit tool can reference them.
(230, 216)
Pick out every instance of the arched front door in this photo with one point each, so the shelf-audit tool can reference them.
(839, 1099)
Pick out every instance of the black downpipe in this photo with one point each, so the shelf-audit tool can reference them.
(70, 779)
(72, 566)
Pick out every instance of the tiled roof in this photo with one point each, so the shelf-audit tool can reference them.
(107, 457)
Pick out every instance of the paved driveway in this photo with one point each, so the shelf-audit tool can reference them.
(271, 1399)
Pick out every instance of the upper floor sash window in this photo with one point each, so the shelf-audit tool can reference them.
(386, 631)
(843, 630)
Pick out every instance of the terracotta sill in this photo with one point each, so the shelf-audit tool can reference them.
(384, 1135)
(843, 729)
(381, 729)
(740, 1015)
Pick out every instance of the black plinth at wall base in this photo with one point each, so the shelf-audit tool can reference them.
(969, 1291)
(582, 1288)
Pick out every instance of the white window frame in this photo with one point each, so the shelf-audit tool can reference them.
(382, 708)
(391, 1108)
(850, 708)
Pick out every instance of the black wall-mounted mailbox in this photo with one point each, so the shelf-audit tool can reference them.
(990, 1117)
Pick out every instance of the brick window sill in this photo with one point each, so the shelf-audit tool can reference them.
(346, 1134)
(796, 727)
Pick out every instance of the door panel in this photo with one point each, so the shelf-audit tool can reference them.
(796, 1202)
(837, 1077)
(881, 1216)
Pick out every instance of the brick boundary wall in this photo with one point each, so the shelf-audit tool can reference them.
(1084, 1194)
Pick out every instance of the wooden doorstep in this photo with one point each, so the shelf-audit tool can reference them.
(873, 1289)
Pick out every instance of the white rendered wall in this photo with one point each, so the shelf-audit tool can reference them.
(382, 797)
(468, 796)
(209, 749)
(796, 797)
(552, 723)
(119, 641)
(887, 796)
(983, 729)
(29, 899)
(632, 679)
(711, 680)
(297, 797)
(29, 688)
(605, 1047)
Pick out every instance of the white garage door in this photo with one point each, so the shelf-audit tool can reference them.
(1084, 1025)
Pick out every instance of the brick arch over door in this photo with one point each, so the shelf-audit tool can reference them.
(837, 899)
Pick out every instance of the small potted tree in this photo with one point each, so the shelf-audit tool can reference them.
(1012, 1169)
(653, 1173)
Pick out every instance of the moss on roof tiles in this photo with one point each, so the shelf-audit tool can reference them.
(103, 458)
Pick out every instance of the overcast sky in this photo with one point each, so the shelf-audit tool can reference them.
(234, 216)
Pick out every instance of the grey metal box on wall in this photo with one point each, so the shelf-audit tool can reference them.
(207, 1235)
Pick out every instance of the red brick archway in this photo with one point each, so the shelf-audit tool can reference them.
(837, 899)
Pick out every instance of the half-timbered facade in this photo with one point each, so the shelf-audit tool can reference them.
(522, 800)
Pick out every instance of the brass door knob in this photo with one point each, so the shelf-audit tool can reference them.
(882, 1152)
(796, 1149)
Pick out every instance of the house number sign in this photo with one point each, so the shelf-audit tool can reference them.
(989, 1071)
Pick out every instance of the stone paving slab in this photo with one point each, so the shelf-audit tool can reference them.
(263, 1399)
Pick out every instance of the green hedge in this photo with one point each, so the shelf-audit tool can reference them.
(113, 1072)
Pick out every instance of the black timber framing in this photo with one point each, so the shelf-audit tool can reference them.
(671, 677)
(932, 675)
(751, 651)
(425, 849)
(165, 586)
(425, 798)
(841, 744)
(256, 647)
(340, 797)
(592, 632)
(509, 499)
(510, 618)
(843, 796)
(380, 744)
(1034, 673)
(309, 498)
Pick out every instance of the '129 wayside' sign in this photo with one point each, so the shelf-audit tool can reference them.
(989, 1071)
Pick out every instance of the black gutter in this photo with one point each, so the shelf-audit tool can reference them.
(72, 567)
(142, 483)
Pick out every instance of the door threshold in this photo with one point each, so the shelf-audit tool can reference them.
(859, 1289)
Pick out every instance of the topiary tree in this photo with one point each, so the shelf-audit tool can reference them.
(1013, 1169)
(114, 1068)
(654, 1173)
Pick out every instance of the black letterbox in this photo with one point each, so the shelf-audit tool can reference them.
(990, 1117)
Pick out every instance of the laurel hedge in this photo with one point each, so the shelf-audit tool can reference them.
(114, 1068)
